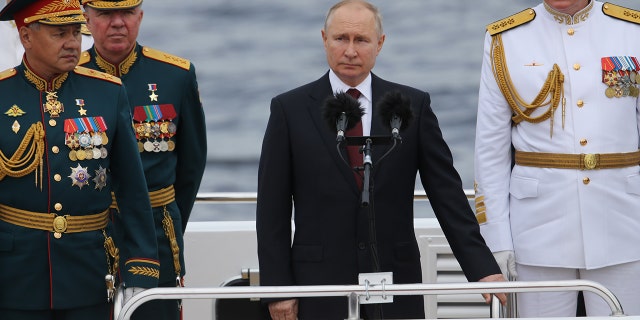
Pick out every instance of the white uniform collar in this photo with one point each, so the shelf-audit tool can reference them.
(564, 18)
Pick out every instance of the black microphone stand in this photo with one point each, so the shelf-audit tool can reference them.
(367, 165)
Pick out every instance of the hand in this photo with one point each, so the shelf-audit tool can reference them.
(501, 296)
(129, 292)
(507, 262)
(284, 310)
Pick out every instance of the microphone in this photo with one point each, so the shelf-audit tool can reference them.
(395, 110)
(342, 112)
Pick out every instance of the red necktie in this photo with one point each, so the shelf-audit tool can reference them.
(355, 158)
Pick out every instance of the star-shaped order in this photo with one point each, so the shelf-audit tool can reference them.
(79, 176)
(101, 178)
(153, 96)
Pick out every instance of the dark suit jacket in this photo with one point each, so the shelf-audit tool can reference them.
(300, 166)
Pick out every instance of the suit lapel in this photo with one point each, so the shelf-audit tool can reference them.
(320, 90)
(378, 128)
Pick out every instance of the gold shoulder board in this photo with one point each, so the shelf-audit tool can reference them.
(8, 73)
(511, 22)
(84, 58)
(621, 13)
(97, 74)
(84, 30)
(165, 57)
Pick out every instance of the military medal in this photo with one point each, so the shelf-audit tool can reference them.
(164, 146)
(620, 74)
(80, 103)
(153, 87)
(86, 137)
(101, 178)
(79, 176)
(53, 106)
(148, 146)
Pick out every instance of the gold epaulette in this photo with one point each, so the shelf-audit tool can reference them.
(8, 73)
(84, 30)
(96, 74)
(621, 13)
(511, 22)
(165, 57)
(84, 58)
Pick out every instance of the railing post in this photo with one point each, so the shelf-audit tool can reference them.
(354, 307)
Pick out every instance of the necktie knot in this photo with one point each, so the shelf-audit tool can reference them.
(355, 93)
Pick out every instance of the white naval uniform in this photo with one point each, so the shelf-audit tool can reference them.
(10, 46)
(566, 218)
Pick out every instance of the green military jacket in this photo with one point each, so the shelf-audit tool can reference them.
(65, 146)
(170, 126)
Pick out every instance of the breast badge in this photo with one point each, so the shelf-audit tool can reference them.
(15, 112)
(53, 106)
(79, 176)
(101, 178)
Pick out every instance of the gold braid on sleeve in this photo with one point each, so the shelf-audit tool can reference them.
(550, 95)
(27, 158)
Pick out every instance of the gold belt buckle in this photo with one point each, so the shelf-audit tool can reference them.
(590, 161)
(59, 226)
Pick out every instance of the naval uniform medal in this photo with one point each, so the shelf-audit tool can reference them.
(621, 76)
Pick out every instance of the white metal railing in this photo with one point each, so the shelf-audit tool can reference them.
(356, 292)
(250, 197)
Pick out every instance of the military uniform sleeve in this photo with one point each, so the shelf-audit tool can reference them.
(493, 159)
(191, 147)
(139, 247)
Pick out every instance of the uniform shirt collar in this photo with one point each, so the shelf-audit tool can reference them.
(563, 18)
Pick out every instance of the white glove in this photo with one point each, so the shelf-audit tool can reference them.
(507, 262)
(129, 292)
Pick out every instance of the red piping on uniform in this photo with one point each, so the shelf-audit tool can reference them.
(48, 202)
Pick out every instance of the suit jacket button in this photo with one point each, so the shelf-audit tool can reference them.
(361, 246)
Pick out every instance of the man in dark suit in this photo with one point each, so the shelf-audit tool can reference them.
(299, 164)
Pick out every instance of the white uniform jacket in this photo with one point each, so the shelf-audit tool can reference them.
(10, 46)
(560, 217)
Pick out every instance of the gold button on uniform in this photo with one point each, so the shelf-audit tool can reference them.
(576, 66)
(586, 180)
(55, 149)
(57, 177)
(583, 142)
(52, 122)
(57, 206)
(571, 31)
(580, 103)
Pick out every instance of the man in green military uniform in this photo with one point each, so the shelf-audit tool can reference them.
(169, 124)
(66, 145)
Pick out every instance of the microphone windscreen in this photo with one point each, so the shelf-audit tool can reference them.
(394, 102)
(336, 105)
